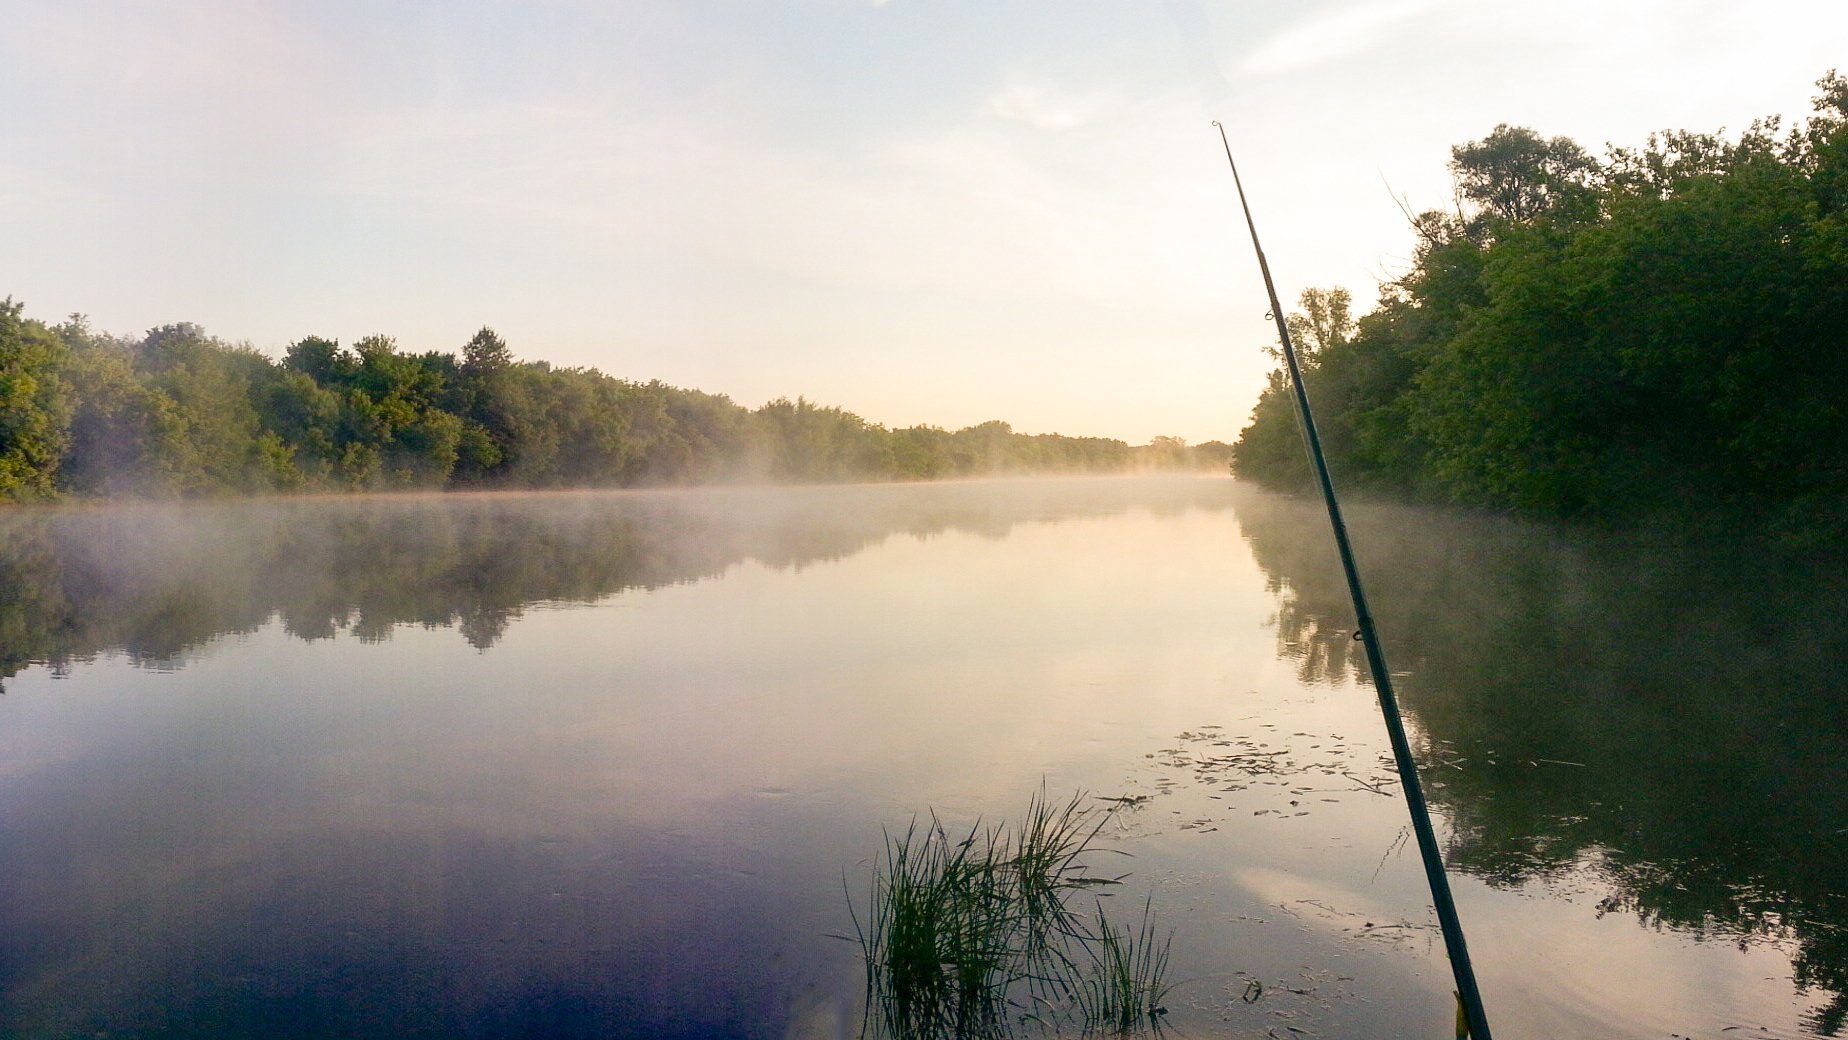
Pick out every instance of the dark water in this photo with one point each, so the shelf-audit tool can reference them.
(613, 764)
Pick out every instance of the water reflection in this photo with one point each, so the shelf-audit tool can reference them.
(630, 820)
(158, 582)
(1658, 720)
(632, 817)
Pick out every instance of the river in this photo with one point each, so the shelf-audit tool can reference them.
(617, 764)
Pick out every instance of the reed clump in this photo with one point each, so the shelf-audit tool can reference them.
(977, 937)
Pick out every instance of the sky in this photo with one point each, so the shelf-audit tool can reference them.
(922, 211)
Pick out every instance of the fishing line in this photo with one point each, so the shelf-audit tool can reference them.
(1471, 1020)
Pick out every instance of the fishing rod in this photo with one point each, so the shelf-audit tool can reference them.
(1472, 1022)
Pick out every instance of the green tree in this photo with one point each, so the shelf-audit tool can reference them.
(806, 443)
(321, 360)
(1323, 324)
(1271, 450)
(499, 414)
(1609, 340)
(1515, 175)
(34, 411)
(197, 412)
(485, 354)
(126, 436)
(307, 416)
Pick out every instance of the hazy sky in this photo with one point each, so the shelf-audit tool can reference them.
(937, 211)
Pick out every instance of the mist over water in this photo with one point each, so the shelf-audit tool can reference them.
(599, 764)
(155, 581)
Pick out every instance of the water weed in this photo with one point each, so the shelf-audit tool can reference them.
(974, 936)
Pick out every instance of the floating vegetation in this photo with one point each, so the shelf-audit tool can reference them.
(976, 937)
(1276, 774)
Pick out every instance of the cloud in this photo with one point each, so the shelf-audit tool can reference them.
(1038, 194)
(1044, 105)
(1320, 41)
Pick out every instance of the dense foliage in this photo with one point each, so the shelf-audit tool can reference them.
(1586, 337)
(180, 413)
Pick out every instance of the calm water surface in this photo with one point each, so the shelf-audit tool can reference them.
(613, 764)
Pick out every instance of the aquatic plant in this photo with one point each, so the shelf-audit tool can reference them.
(976, 938)
(1124, 989)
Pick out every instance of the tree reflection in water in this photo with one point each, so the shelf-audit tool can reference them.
(1661, 719)
(157, 582)
(1662, 714)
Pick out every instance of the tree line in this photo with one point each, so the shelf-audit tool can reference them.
(1600, 337)
(177, 412)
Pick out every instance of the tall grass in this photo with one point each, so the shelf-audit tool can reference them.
(975, 937)
(1124, 989)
